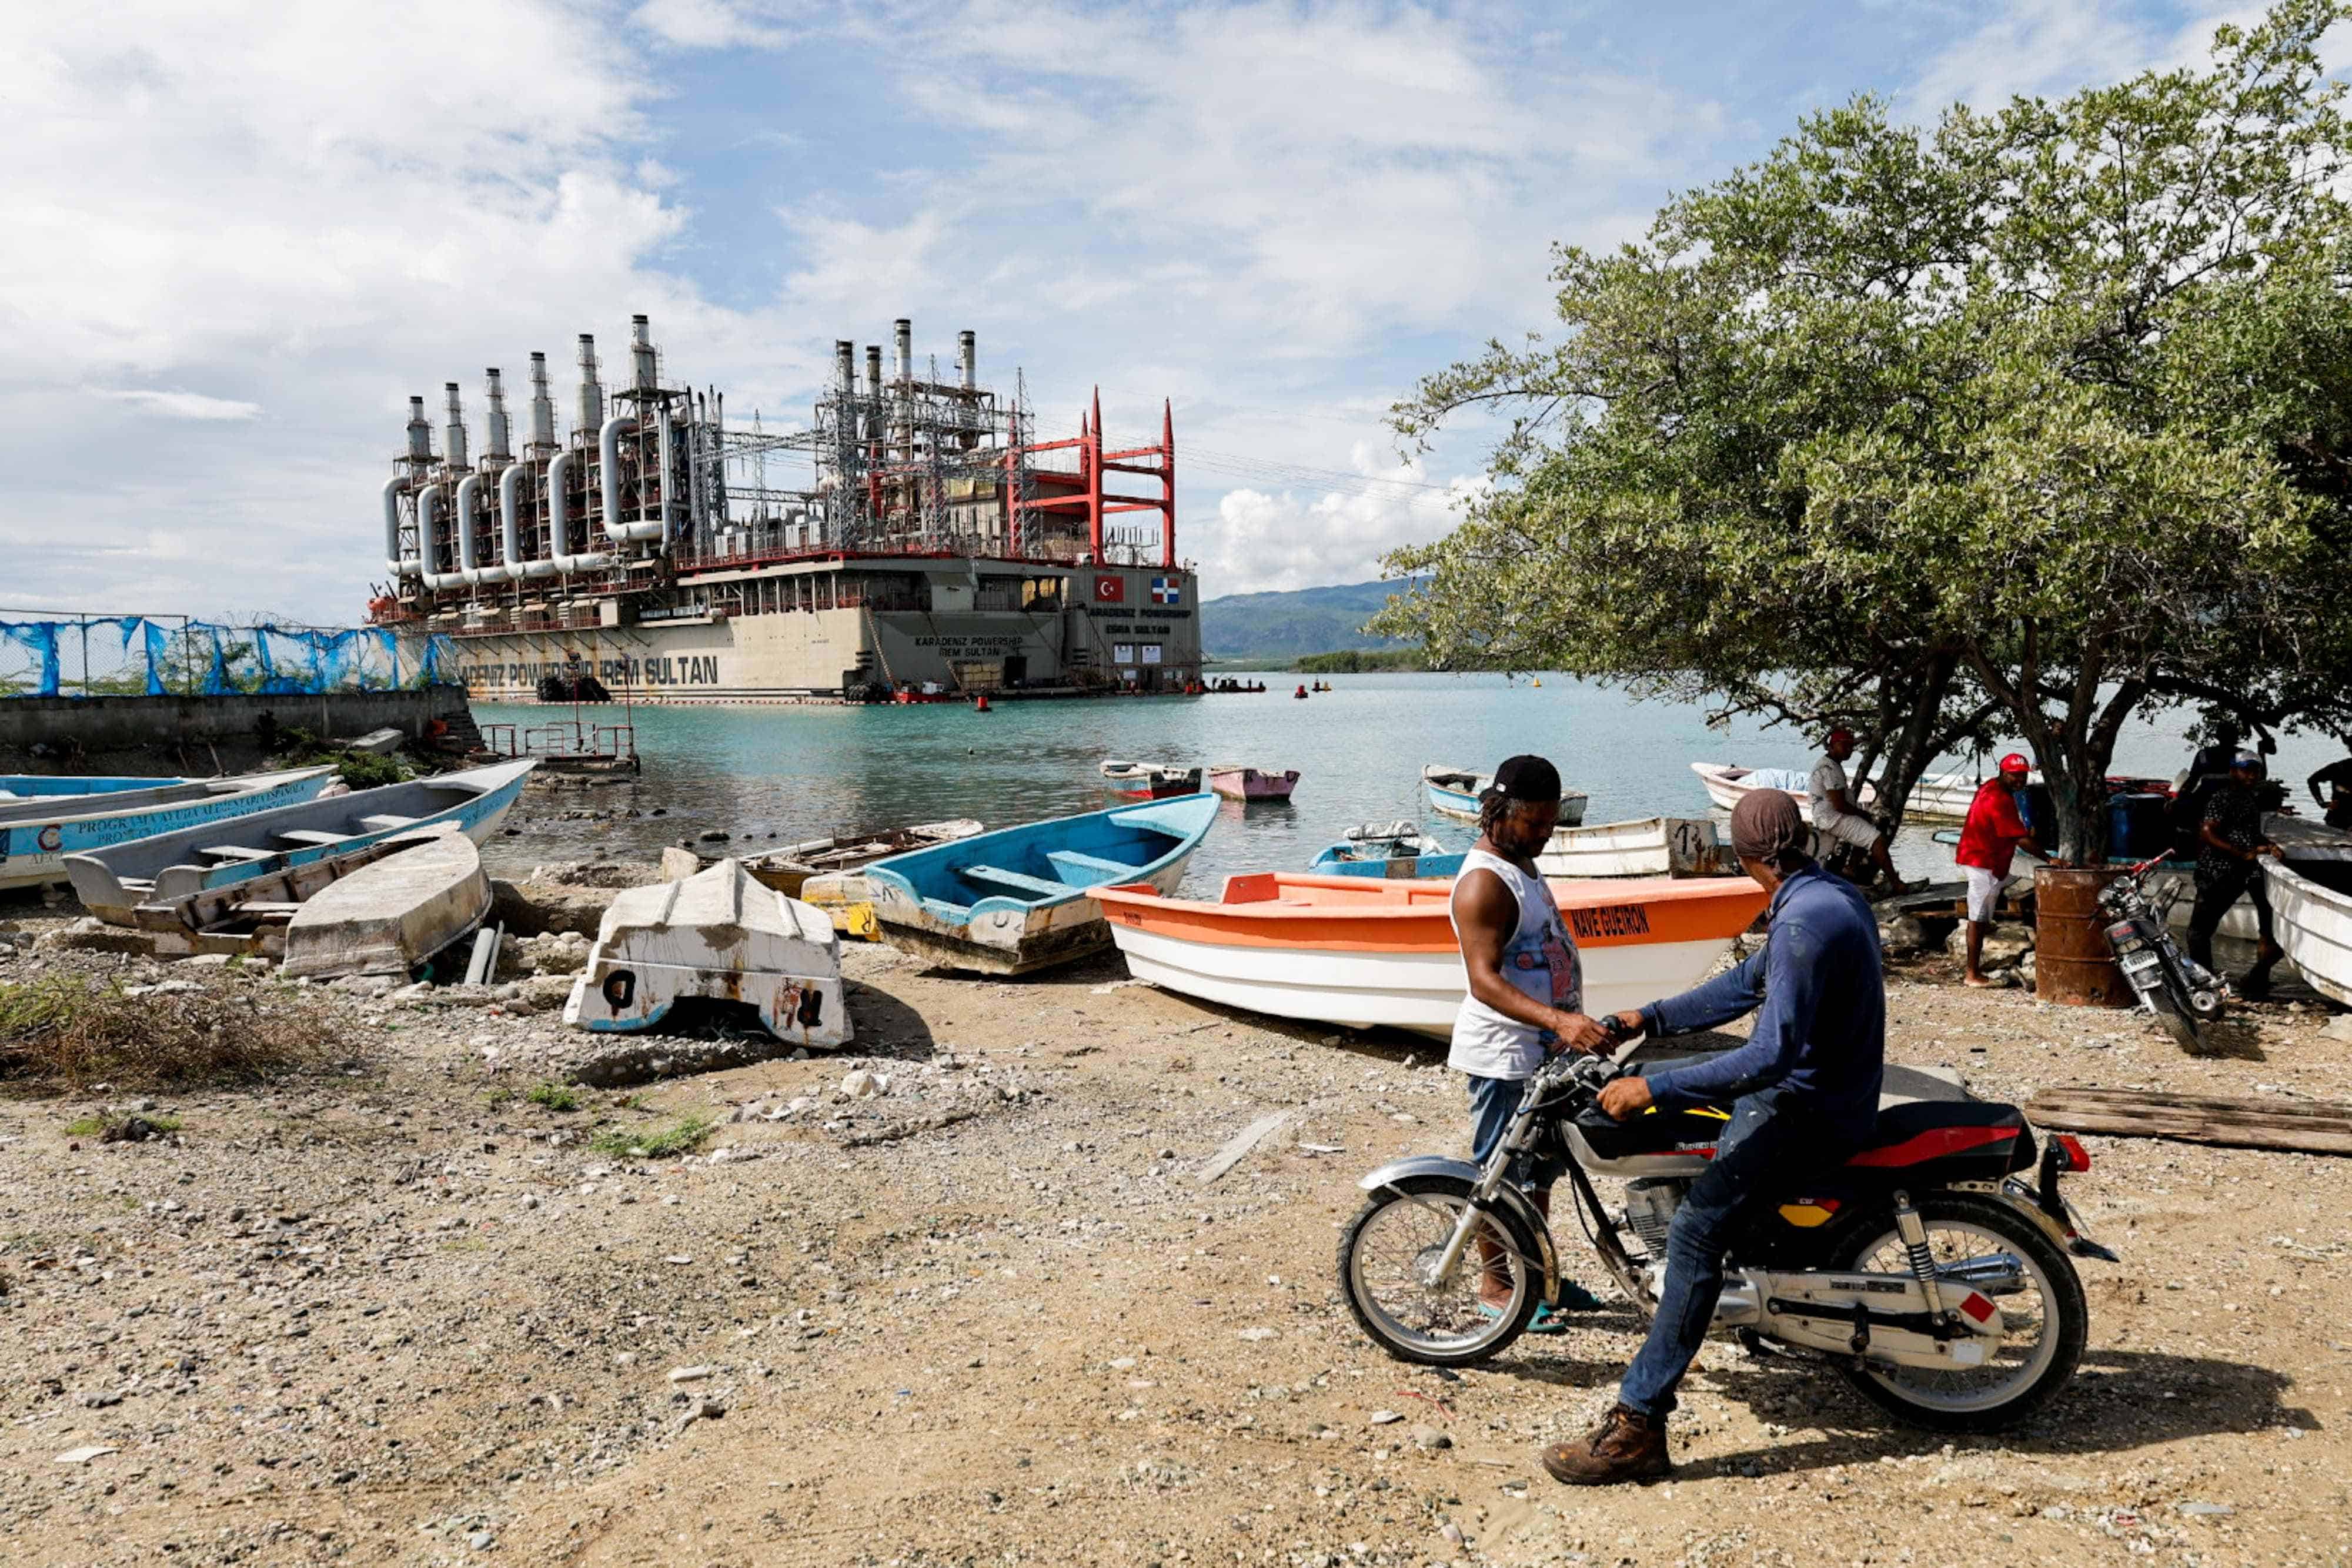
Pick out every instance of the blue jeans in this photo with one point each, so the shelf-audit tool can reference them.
(1492, 1102)
(1767, 1148)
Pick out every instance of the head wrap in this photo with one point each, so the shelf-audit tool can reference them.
(2015, 763)
(1766, 824)
(1527, 778)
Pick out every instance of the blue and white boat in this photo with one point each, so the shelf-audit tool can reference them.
(44, 820)
(1013, 901)
(1397, 849)
(172, 868)
(1454, 792)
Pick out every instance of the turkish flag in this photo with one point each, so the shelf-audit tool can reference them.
(1110, 591)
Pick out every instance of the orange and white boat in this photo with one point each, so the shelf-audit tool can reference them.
(1358, 952)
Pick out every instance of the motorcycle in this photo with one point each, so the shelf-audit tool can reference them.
(2183, 994)
(1940, 1283)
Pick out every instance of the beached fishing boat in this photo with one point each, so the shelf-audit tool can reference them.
(2313, 904)
(393, 915)
(1650, 846)
(1149, 781)
(1235, 782)
(1454, 792)
(169, 867)
(56, 786)
(1022, 898)
(1394, 849)
(1358, 953)
(40, 830)
(787, 870)
(1727, 783)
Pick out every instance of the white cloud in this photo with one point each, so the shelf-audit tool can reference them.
(706, 25)
(185, 404)
(1301, 537)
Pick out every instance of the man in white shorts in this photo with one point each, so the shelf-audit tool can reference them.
(1988, 841)
(1837, 819)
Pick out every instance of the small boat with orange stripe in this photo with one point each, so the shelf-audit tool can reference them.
(1359, 952)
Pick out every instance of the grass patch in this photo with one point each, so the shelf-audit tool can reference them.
(100, 1125)
(63, 1028)
(555, 1097)
(682, 1138)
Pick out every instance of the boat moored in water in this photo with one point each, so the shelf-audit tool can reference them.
(1398, 849)
(1149, 781)
(1236, 782)
(1454, 792)
(170, 867)
(40, 829)
(1021, 899)
(1361, 952)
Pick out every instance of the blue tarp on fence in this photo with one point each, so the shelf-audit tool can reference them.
(134, 654)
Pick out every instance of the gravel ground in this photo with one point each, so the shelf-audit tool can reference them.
(395, 1311)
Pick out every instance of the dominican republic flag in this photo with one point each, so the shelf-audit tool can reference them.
(1165, 591)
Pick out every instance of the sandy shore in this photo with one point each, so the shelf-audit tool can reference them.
(394, 1312)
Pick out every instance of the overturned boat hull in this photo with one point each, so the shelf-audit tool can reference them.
(717, 937)
(395, 915)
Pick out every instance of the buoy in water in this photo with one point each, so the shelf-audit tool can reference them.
(979, 704)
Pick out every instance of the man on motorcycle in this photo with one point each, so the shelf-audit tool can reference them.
(1804, 1092)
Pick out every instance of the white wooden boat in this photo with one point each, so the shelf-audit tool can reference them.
(1728, 784)
(1651, 846)
(169, 867)
(721, 936)
(2313, 904)
(1362, 952)
(40, 829)
(1149, 781)
(392, 916)
(1454, 792)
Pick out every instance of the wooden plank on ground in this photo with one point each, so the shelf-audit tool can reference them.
(1238, 1146)
(2311, 1126)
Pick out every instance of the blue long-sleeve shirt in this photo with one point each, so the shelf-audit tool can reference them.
(1821, 1035)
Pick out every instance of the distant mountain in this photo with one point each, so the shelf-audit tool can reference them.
(1303, 621)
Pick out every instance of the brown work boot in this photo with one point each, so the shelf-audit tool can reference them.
(1626, 1447)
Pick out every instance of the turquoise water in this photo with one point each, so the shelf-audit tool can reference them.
(803, 772)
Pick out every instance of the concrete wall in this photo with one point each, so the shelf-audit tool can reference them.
(197, 735)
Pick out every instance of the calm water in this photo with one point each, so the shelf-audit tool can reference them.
(797, 773)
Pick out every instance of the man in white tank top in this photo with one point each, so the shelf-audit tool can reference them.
(1527, 980)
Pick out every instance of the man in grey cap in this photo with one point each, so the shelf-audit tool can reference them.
(1804, 1093)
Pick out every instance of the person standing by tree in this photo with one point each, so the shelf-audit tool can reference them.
(2230, 850)
(1988, 841)
(1526, 984)
(1836, 815)
(2337, 802)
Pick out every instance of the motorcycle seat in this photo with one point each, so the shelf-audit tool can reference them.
(1963, 1139)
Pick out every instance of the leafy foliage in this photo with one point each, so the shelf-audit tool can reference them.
(2020, 424)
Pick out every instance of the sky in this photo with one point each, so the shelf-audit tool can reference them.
(241, 236)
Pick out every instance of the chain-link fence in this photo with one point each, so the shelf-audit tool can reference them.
(46, 655)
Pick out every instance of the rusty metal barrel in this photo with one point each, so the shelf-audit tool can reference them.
(2073, 965)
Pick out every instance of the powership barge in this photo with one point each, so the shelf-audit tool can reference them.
(938, 550)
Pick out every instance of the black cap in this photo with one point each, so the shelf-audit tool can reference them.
(1527, 778)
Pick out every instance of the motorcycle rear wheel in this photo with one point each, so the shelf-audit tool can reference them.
(2044, 1323)
(1384, 1258)
(2179, 1022)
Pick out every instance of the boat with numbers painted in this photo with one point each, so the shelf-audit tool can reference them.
(169, 867)
(43, 826)
(1357, 952)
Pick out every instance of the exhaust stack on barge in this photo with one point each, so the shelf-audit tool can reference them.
(937, 546)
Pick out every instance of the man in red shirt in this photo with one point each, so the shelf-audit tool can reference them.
(1988, 843)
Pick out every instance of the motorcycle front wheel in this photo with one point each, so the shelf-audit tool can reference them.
(2043, 1318)
(1388, 1259)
